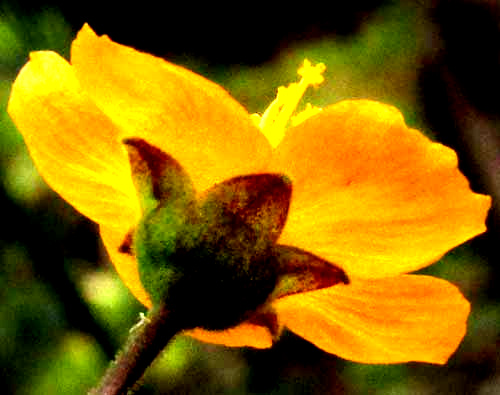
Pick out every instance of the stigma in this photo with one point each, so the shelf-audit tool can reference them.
(275, 119)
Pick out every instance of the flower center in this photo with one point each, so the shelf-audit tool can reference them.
(275, 119)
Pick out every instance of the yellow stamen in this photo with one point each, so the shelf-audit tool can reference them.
(275, 119)
(308, 112)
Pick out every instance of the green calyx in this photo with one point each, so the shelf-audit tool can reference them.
(213, 259)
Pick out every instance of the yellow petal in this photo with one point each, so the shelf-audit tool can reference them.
(391, 320)
(243, 335)
(73, 144)
(125, 264)
(371, 194)
(185, 115)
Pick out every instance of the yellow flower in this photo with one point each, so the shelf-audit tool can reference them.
(369, 194)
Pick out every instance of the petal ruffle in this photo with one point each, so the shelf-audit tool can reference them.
(372, 195)
(73, 144)
(243, 335)
(392, 320)
(183, 114)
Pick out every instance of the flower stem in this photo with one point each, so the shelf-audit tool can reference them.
(144, 344)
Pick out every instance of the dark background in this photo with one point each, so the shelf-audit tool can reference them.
(64, 312)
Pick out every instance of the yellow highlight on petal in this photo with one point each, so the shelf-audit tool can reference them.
(276, 117)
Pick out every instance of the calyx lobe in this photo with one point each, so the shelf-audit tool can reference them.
(214, 258)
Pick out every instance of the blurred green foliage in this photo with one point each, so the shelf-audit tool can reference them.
(380, 62)
(43, 352)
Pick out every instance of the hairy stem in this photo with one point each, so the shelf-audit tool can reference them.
(146, 341)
